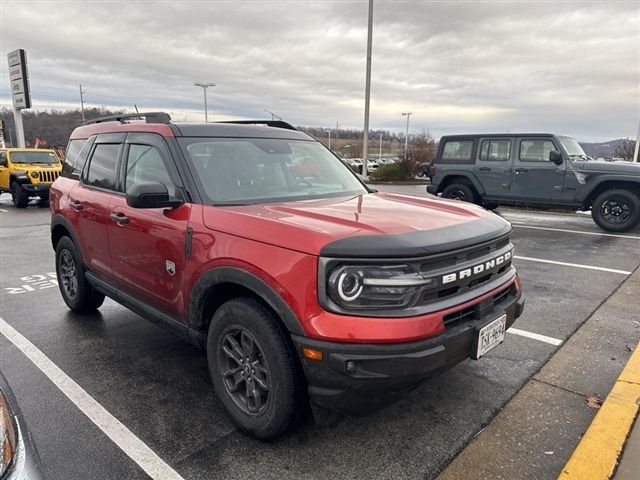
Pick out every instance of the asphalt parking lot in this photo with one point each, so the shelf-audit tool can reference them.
(158, 386)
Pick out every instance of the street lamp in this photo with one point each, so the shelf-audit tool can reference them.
(329, 131)
(82, 92)
(406, 136)
(204, 89)
(380, 151)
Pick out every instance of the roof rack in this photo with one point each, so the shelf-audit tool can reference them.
(150, 117)
(270, 123)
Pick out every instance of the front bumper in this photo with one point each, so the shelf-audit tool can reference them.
(38, 189)
(381, 374)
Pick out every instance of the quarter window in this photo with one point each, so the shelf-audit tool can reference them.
(102, 168)
(75, 157)
(536, 150)
(457, 150)
(144, 163)
(495, 150)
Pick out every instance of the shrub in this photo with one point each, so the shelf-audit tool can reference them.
(393, 171)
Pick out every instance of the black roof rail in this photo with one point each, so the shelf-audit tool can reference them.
(270, 123)
(150, 117)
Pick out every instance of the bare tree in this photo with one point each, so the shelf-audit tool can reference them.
(625, 150)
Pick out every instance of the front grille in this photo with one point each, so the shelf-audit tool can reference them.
(480, 309)
(48, 176)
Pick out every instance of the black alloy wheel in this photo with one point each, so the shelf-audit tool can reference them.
(244, 370)
(76, 291)
(459, 191)
(616, 210)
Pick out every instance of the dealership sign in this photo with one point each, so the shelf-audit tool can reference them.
(19, 79)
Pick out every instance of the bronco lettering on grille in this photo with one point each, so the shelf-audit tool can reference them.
(476, 269)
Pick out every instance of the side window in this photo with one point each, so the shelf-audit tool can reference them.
(457, 151)
(3, 159)
(75, 157)
(145, 163)
(495, 150)
(102, 166)
(536, 150)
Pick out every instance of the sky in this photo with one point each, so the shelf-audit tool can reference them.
(460, 67)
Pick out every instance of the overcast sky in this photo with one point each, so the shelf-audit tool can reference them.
(565, 67)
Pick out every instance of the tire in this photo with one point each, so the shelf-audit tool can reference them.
(20, 196)
(76, 291)
(459, 191)
(491, 206)
(240, 329)
(616, 210)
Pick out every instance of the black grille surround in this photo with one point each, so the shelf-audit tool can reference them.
(460, 276)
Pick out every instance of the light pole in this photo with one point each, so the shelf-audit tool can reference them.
(82, 92)
(329, 131)
(367, 94)
(406, 136)
(204, 89)
(380, 151)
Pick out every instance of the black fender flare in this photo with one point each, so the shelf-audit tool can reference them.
(237, 276)
(462, 173)
(59, 220)
(15, 177)
(586, 193)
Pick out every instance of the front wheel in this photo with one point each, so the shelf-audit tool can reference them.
(20, 196)
(459, 191)
(252, 368)
(76, 291)
(616, 210)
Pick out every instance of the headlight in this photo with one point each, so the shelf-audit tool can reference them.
(8, 435)
(34, 174)
(368, 286)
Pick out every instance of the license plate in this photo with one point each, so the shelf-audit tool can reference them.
(490, 336)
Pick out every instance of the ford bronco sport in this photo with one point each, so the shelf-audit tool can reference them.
(536, 170)
(253, 241)
(28, 172)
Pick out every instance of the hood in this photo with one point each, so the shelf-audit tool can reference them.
(371, 225)
(626, 168)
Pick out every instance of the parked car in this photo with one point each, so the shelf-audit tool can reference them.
(301, 284)
(536, 170)
(19, 458)
(28, 172)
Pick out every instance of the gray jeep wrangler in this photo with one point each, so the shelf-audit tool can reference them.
(536, 170)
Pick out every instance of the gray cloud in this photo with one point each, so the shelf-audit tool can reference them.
(570, 67)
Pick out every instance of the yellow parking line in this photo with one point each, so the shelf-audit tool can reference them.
(597, 454)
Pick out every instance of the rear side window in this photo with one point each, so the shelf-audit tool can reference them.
(536, 150)
(102, 167)
(457, 151)
(75, 157)
(495, 150)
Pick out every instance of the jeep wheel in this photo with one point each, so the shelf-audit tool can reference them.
(20, 196)
(76, 292)
(459, 191)
(616, 210)
(252, 368)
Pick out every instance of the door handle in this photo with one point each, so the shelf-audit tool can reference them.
(485, 169)
(77, 206)
(521, 170)
(119, 218)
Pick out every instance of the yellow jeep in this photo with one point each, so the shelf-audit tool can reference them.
(28, 172)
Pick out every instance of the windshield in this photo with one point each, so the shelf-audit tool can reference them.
(48, 158)
(261, 170)
(572, 147)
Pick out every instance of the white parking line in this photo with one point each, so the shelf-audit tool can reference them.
(519, 225)
(575, 265)
(535, 336)
(3, 210)
(131, 445)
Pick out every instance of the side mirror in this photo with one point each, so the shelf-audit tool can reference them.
(555, 157)
(150, 195)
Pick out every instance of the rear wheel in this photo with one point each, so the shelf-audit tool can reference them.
(252, 368)
(20, 196)
(616, 210)
(76, 291)
(459, 191)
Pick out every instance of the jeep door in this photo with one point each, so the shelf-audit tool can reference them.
(535, 178)
(493, 166)
(148, 244)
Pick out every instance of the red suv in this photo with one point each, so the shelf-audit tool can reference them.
(253, 241)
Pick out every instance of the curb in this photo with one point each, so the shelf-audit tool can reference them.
(392, 182)
(599, 451)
